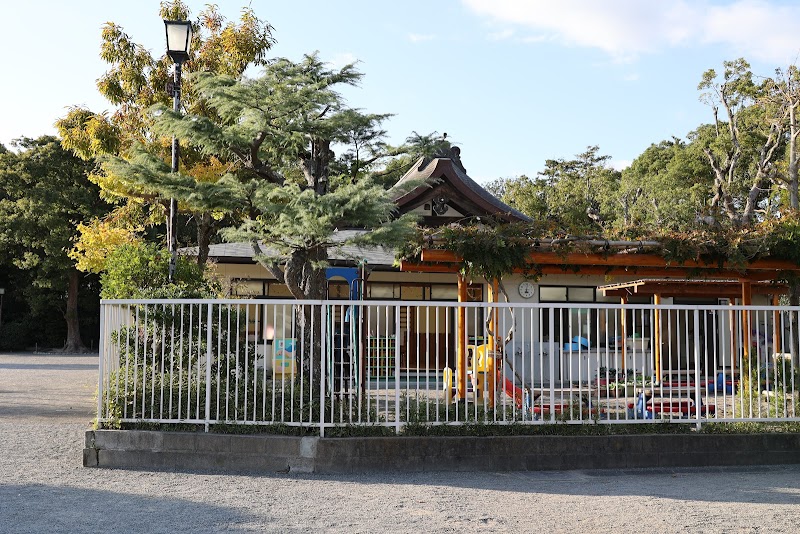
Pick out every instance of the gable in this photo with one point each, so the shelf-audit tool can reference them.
(447, 194)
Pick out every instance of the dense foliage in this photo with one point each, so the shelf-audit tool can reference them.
(136, 81)
(140, 271)
(44, 194)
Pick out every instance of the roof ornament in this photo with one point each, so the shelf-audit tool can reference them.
(440, 206)
(453, 153)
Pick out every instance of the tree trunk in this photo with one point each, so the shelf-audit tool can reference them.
(205, 227)
(74, 342)
(794, 201)
(306, 281)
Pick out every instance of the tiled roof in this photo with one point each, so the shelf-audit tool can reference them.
(374, 256)
(446, 169)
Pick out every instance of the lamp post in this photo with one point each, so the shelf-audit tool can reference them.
(2, 292)
(179, 39)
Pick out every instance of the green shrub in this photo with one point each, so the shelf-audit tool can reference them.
(141, 270)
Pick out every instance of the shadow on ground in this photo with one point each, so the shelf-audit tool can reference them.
(45, 508)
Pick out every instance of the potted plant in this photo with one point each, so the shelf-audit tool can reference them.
(605, 378)
(627, 386)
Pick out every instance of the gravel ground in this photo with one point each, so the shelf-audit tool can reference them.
(46, 404)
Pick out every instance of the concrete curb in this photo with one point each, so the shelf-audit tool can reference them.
(267, 453)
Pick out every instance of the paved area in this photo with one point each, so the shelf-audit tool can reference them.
(46, 403)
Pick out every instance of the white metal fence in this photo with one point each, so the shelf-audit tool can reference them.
(397, 363)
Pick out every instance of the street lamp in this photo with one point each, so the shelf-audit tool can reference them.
(179, 39)
(2, 292)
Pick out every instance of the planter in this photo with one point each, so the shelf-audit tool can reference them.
(627, 390)
(637, 343)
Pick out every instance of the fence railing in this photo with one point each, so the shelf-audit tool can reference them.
(398, 363)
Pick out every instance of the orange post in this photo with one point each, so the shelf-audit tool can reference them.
(657, 337)
(624, 324)
(491, 347)
(747, 300)
(734, 337)
(776, 326)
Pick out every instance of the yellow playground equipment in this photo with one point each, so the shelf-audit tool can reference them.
(484, 376)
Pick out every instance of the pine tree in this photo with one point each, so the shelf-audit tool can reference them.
(276, 135)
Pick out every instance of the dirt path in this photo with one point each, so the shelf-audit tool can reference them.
(46, 403)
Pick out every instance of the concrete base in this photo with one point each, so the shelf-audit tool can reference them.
(265, 453)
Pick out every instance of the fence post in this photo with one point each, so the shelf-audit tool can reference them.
(552, 371)
(101, 346)
(697, 401)
(323, 316)
(397, 409)
(208, 365)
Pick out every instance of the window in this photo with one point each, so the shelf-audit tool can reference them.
(567, 294)
(571, 321)
(338, 290)
(276, 290)
(552, 294)
(412, 293)
(378, 291)
(248, 288)
(444, 292)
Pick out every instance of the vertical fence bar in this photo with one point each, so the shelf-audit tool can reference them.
(163, 354)
(101, 347)
(397, 369)
(323, 370)
(219, 361)
(697, 401)
(552, 370)
(208, 366)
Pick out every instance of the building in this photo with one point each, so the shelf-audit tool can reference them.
(574, 287)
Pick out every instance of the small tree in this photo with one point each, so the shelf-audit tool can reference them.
(135, 81)
(276, 134)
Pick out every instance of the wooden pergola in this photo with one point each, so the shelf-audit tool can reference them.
(674, 288)
(689, 278)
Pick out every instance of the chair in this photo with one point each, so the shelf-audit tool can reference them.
(483, 374)
(449, 387)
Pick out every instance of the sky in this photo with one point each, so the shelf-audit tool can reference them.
(512, 82)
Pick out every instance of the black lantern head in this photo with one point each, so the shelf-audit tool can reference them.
(179, 39)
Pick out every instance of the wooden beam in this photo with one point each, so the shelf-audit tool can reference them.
(747, 300)
(461, 341)
(491, 350)
(657, 337)
(734, 337)
(624, 324)
(776, 326)
(679, 290)
(620, 260)
(678, 273)
(411, 267)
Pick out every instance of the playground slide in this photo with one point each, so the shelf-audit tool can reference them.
(516, 393)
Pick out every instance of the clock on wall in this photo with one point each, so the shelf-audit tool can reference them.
(526, 290)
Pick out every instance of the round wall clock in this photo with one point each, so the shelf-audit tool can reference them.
(526, 290)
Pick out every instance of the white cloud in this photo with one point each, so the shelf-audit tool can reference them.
(340, 60)
(535, 39)
(625, 29)
(632, 77)
(620, 164)
(501, 35)
(756, 29)
(420, 37)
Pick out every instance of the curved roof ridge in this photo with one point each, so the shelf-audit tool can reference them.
(448, 169)
(480, 190)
